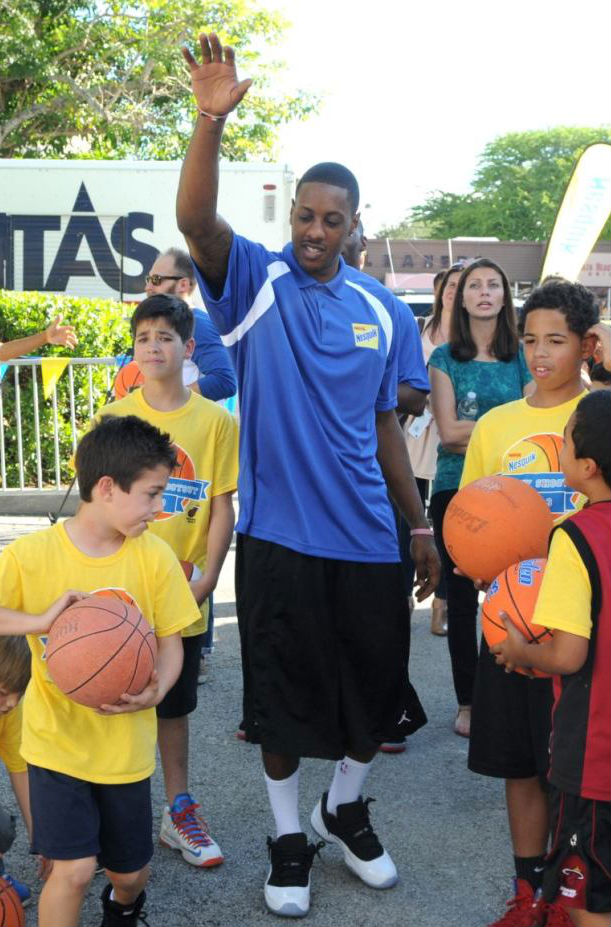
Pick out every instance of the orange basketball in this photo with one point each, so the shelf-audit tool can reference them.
(128, 378)
(494, 522)
(11, 912)
(515, 592)
(98, 649)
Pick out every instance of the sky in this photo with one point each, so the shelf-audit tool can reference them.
(413, 91)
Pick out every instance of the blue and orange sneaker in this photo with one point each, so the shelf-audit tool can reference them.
(183, 828)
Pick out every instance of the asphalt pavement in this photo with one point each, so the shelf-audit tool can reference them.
(444, 827)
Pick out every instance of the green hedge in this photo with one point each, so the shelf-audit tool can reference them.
(103, 331)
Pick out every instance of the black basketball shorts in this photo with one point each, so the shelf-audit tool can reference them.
(511, 720)
(324, 651)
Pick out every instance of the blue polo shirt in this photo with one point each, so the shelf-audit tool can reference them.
(217, 380)
(314, 362)
(410, 357)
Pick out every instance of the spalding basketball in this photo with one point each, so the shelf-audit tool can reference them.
(128, 379)
(515, 592)
(191, 570)
(494, 522)
(11, 911)
(99, 648)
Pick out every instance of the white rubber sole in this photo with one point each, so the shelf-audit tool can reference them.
(285, 901)
(376, 873)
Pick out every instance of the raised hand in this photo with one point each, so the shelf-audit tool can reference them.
(57, 333)
(215, 82)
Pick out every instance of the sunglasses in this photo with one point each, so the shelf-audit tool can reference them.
(156, 279)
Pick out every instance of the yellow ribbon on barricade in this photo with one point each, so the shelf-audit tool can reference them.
(52, 369)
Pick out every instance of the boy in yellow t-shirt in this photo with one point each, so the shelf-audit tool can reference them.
(89, 771)
(511, 714)
(196, 521)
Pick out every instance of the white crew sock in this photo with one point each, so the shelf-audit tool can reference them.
(284, 799)
(347, 784)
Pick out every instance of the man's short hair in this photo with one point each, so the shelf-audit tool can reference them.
(573, 300)
(182, 262)
(177, 312)
(123, 448)
(336, 175)
(15, 663)
(591, 430)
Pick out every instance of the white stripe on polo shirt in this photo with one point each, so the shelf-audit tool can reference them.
(264, 300)
(382, 313)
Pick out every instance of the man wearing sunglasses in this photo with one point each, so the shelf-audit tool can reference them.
(172, 273)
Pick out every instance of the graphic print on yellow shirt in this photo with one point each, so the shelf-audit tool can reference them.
(184, 491)
(59, 734)
(524, 441)
(535, 460)
(205, 437)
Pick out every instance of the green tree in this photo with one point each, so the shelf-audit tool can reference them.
(105, 78)
(517, 188)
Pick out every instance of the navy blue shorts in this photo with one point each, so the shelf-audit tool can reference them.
(75, 819)
(181, 700)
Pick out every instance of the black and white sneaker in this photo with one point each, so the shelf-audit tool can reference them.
(351, 830)
(287, 887)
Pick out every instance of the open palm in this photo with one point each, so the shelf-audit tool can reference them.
(215, 81)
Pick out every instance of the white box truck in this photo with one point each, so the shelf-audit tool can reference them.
(93, 228)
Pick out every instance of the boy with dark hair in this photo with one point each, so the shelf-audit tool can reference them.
(575, 601)
(87, 800)
(172, 274)
(511, 713)
(196, 520)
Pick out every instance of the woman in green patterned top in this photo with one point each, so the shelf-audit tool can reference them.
(480, 367)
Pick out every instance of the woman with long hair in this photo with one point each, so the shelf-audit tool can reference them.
(481, 366)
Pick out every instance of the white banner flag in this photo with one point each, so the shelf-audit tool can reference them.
(584, 210)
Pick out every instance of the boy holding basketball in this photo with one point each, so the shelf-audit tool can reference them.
(89, 771)
(196, 520)
(575, 601)
(511, 714)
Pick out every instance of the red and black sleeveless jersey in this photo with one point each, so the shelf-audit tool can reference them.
(581, 720)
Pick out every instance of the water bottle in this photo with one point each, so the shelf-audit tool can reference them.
(468, 408)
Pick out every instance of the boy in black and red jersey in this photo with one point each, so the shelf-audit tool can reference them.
(575, 600)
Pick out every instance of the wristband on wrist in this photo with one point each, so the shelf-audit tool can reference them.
(212, 117)
(425, 532)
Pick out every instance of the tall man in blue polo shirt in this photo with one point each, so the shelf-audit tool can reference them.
(317, 561)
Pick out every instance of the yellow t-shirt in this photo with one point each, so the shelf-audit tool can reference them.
(205, 437)
(10, 740)
(519, 440)
(565, 598)
(58, 733)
